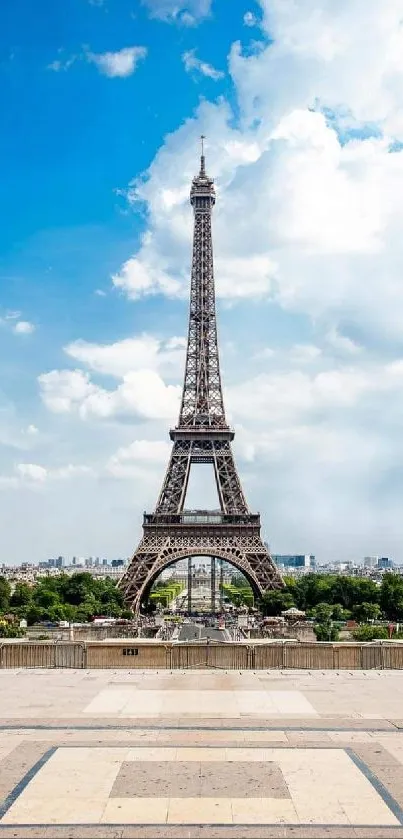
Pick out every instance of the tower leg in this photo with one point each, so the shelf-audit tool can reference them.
(213, 583)
(189, 585)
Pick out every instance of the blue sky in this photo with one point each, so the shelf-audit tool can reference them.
(102, 107)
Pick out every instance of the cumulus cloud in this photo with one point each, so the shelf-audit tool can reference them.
(302, 189)
(139, 458)
(250, 19)
(33, 475)
(32, 471)
(187, 13)
(120, 64)
(195, 65)
(62, 63)
(23, 327)
(141, 393)
(123, 357)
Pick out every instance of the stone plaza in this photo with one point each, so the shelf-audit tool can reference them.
(201, 753)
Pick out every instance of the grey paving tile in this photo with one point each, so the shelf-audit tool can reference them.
(190, 779)
(17, 764)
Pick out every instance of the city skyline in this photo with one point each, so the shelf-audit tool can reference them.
(95, 266)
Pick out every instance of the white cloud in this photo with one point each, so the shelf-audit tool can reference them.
(63, 391)
(118, 64)
(138, 276)
(193, 64)
(32, 475)
(24, 327)
(32, 471)
(139, 458)
(321, 210)
(305, 353)
(187, 13)
(119, 358)
(342, 343)
(123, 357)
(62, 63)
(32, 430)
(250, 19)
(142, 393)
(100, 292)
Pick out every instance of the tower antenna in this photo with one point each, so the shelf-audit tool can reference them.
(202, 159)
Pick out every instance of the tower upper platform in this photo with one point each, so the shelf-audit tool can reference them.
(202, 192)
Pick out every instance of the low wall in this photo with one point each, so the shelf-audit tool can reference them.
(136, 654)
(90, 632)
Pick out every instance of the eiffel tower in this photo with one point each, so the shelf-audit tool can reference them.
(202, 435)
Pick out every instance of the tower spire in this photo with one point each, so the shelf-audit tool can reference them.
(202, 158)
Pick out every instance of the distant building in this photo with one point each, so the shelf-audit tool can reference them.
(59, 562)
(295, 560)
(384, 562)
(371, 561)
(116, 563)
(104, 562)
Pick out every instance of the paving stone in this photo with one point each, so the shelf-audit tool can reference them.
(228, 759)
(217, 780)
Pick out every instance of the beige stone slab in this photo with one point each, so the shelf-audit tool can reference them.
(292, 702)
(153, 753)
(200, 754)
(314, 812)
(369, 813)
(8, 743)
(263, 811)
(265, 736)
(135, 811)
(54, 810)
(109, 701)
(346, 737)
(394, 745)
(199, 811)
(72, 777)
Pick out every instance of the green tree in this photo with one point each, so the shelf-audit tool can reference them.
(34, 614)
(45, 598)
(370, 633)
(21, 596)
(340, 614)
(323, 612)
(239, 581)
(391, 596)
(366, 612)
(326, 631)
(351, 591)
(5, 592)
(275, 602)
(10, 630)
(312, 589)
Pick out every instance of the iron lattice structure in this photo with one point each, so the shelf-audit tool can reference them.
(201, 436)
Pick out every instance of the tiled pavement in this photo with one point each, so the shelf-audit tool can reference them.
(201, 754)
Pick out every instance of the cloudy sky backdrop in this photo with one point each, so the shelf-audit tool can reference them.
(103, 104)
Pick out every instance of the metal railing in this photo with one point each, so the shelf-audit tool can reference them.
(192, 517)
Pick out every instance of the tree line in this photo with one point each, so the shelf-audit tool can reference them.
(75, 598)
(359, 598)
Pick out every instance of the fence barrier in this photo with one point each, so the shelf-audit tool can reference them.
(132, 654)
